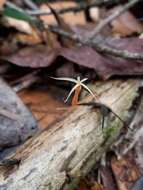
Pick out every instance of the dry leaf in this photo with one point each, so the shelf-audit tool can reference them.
(20, 25)
(31, 39)
(70, 18)
(2, 2)
(46, 108)
(39, 56)
(96, 186)
(107, 178)
(125, 171)
(126, 24)
(103, 65)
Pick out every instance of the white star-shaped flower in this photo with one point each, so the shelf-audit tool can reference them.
(78, 83)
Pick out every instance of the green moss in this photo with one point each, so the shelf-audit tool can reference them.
(73, 185)
(112, 130)
(108, 131)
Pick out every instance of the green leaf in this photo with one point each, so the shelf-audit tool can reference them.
(22, 15)
(17, 14)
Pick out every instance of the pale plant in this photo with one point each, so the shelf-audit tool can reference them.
(78, 83)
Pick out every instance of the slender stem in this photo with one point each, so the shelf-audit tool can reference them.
(30, 4)
(107, 20)
(100, 47)
(80, 7)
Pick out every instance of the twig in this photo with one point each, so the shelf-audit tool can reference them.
(25, 84)
(107, 20)
(117, 53)
(26, 81)
(30, 4)
(94, 43)
(105, 110)
(12, 5)
(100, 47)
(80, 7)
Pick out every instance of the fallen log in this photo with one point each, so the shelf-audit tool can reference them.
(70, 148)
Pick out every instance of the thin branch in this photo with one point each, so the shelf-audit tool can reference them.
(12, 5)
(80, 7)
(25, 81)
(93, 42)
(30, 4)
(117, 53)
(107, 20)
(100, 47)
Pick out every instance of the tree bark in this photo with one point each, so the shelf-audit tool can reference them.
(72, 146)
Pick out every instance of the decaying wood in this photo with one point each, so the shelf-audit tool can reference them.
(73, 145)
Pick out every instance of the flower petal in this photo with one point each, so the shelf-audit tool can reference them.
(65, 79)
